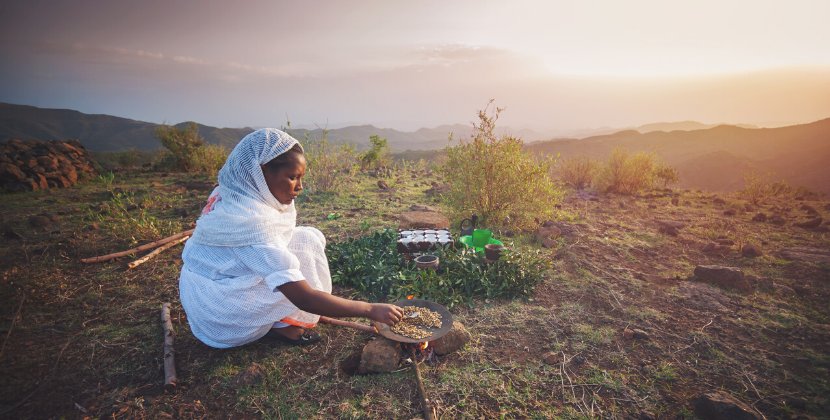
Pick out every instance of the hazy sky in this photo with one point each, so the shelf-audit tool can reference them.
(554, 65)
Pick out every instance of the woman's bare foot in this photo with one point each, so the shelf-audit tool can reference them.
(290, 332)
(294, 335)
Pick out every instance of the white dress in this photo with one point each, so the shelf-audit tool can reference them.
(246, 244)
(230, 293)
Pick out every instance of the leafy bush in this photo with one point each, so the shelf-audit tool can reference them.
(578, 172)
(329, 166)
(188, 150)
(377, 156)
(208, 158)
(495, 178)
(625, 173)
(372, 266)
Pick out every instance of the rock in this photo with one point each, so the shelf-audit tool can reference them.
(750, 250)
(810, 224)
(635, 333)
(437, 189)
(419, 207)
(383, 185)
(713, 248)
(777, 219)
(669, 227)
(452, 341)
(809, 209)
(10, 233)
(815, 255)
(724, 241)
(423, 219)
(729, 212)
(250, 376)
(719, 201)
(675, 201)
(719, 405)
(724, 277)
(379, 356)
(760, 217)
(39, 221)
(547, 235)
(551, 358)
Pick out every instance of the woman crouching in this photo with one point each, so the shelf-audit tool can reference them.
(248, 270)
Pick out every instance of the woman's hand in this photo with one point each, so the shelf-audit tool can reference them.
(385, 313)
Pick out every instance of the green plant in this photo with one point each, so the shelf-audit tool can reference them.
(374, 268)
(625, 173)
(666, 174)
(378, 154)
(209, 159)
(181, 142)
(495, 178)
(330, 167)
(758, 188)
(106, 180)
(577, 172)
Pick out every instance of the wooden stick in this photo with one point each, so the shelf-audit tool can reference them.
(425, 404)
(157, 251)
(144, 247)
(349, 324)
(169, 362)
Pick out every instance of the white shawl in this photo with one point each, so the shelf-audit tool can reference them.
(242, 211)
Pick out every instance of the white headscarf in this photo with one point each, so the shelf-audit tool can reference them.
(242, 209)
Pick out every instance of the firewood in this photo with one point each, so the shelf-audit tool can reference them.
(157, 251)
(425, 403)
(144, 247)
(349, 324)
(169, 362)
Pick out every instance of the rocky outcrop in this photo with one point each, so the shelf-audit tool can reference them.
(29, 165)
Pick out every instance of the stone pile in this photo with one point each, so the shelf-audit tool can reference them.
(30, 165)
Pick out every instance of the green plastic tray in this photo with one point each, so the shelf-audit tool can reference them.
(467, 240)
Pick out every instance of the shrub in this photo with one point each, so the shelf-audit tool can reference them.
(208, 158)
(374, 268)
(378, 154)
(496, 179)
(624, 173)
(329, 166)
(578, 172)
(758, 188)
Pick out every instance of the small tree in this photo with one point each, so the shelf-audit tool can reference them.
(378, 155)
(495, 178)
(667, 175)
(182, 143)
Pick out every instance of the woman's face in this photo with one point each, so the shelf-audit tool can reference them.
(286, 183)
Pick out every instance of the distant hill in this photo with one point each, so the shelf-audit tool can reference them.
(104, 133)
(717, 158)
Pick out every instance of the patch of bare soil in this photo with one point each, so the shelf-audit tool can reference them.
(766, 346)
(621, 329)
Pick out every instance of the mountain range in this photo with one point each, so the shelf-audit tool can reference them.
(718, 158)
(710, 157)
(107, 133)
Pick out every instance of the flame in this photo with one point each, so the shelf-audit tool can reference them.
(410, 297)
(423, 346)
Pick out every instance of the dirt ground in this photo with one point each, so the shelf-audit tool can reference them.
(620, 329)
